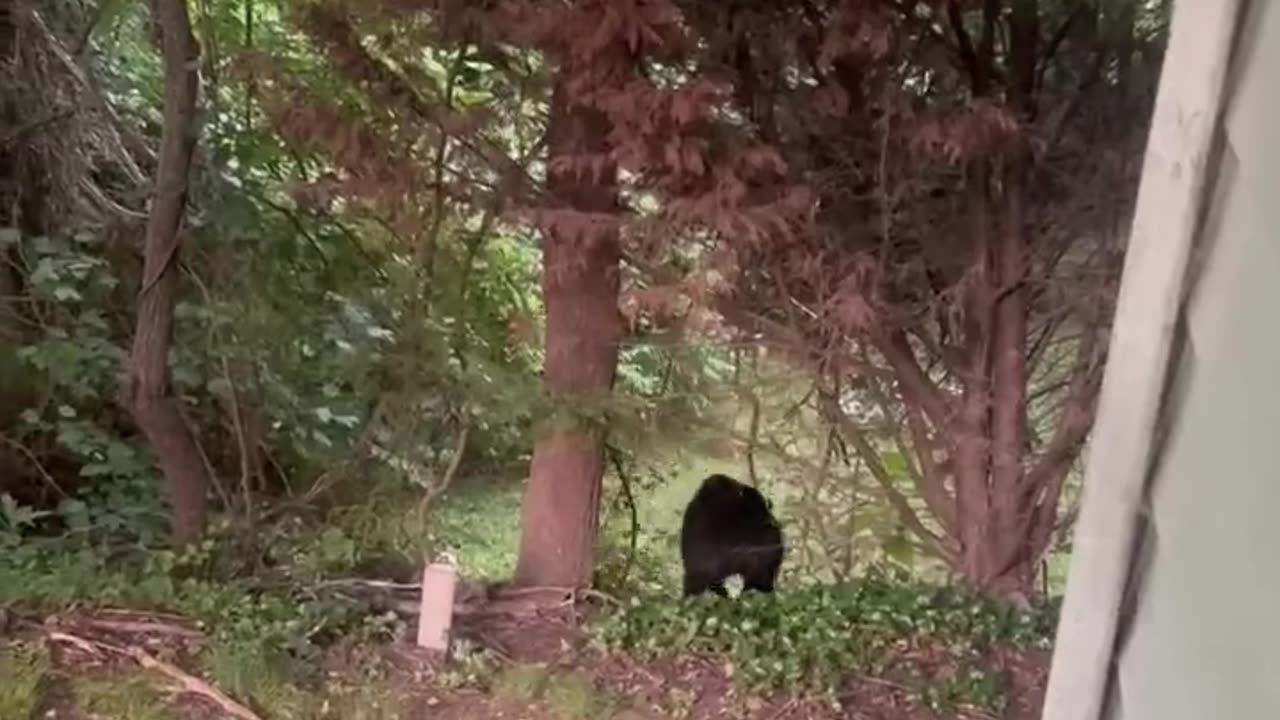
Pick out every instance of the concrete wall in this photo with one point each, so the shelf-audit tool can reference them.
(1203, 638)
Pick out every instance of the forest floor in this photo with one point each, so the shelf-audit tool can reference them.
(134, 666)
(516, 657)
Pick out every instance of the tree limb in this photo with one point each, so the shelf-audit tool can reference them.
(930, 478)
(916, 387)
(147, 393)
(848, 429)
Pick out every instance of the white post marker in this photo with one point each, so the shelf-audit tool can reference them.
(435, 616)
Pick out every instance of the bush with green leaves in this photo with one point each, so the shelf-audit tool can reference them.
(818, 635)
(260, 596)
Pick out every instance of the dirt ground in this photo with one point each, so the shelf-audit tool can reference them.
(546, 671)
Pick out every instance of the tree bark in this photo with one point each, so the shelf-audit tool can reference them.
(148, 393)
(1009, 406)
(1009, 565)
(1000, 523)
(10, 189)
(24, 206)
(580, 288)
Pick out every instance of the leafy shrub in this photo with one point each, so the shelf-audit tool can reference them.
(257, 595)
(817, 635)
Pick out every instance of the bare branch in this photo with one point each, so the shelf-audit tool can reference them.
(930, 477)
(850, 431)
(916, 387)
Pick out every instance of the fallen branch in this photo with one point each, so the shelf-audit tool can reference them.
(187, 682)
(146, 615)
(83, 645)
(191, 683)
(787, 707)
(365, 582)
(142, 628)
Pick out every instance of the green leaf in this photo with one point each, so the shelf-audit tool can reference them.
(66, 293)
(900, 549)
(894, 463)
(44, 246)
(95, 469)
(109, 13)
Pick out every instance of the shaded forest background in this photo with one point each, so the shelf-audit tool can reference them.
(296, 291)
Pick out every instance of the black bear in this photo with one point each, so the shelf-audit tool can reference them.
(729, 530)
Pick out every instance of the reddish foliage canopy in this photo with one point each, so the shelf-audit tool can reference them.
(923, 202)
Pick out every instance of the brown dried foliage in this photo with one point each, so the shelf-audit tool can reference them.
(922, 201)
(964, 244)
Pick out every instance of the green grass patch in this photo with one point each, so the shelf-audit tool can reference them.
(121, 694)
(571, 696)
(23, 667)
(521, 683)
(339, 699)
(565, 695)
(480, 526)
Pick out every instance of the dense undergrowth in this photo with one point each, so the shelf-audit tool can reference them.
(269, 609)
(259, 597)
(934, 640)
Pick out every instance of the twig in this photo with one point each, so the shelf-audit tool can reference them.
(237, 420)
(35, 462)
(148, 614)
(786, 708)
(536, 590)
(625, 481)
(362, 582)
(459, 448)
(590, 593)
(753, 431)
(97, 195)
(572, 594)
(901, 505)
(303, 231)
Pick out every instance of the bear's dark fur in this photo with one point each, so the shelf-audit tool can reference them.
(729, 530)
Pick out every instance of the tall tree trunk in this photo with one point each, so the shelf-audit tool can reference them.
(24, 206)
(1007, 536)
(580, 288)
(148, 393)
(971, 434)
(10, 188)
(1004, 503)
(1009, 566)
